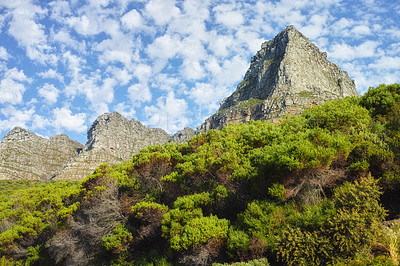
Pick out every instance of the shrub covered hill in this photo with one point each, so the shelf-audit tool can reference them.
(320, 188)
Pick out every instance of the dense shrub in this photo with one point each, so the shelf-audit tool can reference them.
(236, 194)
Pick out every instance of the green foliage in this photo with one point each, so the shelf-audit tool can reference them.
(199, 230)
(277, 191)
(118, 241)
(350, 227)
(257, 262)
(230, 193)
(27, 213)
(238, 243)
(146, 208)
(344, 115)
(380, 101)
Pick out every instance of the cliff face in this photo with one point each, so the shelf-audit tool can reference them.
(112, 138)
(287, 75)
(24, 155)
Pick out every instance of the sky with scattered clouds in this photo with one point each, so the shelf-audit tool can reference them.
(167, 63)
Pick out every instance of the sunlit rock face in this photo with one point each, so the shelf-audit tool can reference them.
(287, 75)
(24, 155)
(112, 138)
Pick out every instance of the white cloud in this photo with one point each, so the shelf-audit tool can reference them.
(139, 93)
(167, 83)
(15, 117)
(169, 113)
(121, 75)
(39, 122)
(51, 74)
(220, 44)
(73, 63)
(346, 52)
(28, 33)
(12, 86)
(315, 26)
(361, 30)
(84, 25)
(192, 70)
(64, 119)
(125, 110)
(59, 10)
(3, 53)
(49, 93)
(142, 72)
(64, 37)
(164, 47)
(162, 11)
(230, 19)
(118, 49)
(386, 63)
(132, 20)
(207, 95)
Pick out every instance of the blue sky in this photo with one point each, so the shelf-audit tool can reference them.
(167, 63)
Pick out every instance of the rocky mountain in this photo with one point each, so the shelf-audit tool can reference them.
(287, 75)
(183, 135)
(112, 138)
(24, 155)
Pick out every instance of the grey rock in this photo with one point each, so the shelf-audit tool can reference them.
(112, 138)
(24, 155)
(183, 135)
(287, 75)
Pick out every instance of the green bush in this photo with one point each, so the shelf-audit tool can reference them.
(352, 226)
(118, 241)
(277, 191)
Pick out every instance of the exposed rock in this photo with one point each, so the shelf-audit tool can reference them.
(183, 135)
(24, 155)
(287, 75)
(112, 138)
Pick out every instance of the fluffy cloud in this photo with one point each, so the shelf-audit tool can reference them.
(12, 86)
(27, 32)
(228, 17)
(64, 119)
(15, 117)
(168, 113)
(139, 93)
(346, 52)
(3, 53)
(132, 20)
(49, 93)
(162, 11)
(51, 74)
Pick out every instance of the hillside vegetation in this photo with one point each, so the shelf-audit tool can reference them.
(322, 188)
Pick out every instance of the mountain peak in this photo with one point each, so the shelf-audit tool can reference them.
(288, 74)
(19, 134)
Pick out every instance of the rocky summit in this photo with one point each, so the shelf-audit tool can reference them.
(287, 75)
(112, 138)
(24, 155)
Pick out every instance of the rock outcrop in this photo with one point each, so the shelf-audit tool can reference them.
(24, 155)
(183, 135)
(287, 75)
(112, 138)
